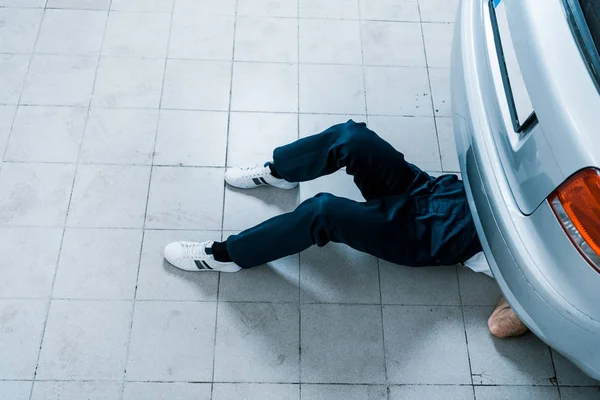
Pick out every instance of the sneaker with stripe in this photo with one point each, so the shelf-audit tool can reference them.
(255, 176)
(195, 256)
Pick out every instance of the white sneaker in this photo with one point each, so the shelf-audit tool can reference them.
(255, 176)
(194, 256)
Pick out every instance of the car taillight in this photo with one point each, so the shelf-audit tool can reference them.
(577, 206)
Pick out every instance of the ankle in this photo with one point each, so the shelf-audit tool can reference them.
(220, 253)
(273, 171)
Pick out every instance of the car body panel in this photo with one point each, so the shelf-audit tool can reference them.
(547, 282)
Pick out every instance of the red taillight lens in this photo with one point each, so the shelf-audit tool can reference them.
(577, 206)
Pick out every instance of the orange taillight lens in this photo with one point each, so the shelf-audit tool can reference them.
(577, 206)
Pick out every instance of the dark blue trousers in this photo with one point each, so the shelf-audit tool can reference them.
(408, 218)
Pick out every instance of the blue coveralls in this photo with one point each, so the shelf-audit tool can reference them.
(408, 218)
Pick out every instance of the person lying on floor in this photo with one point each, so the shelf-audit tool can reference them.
(409, 218)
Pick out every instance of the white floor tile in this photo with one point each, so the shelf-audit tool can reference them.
(119, 136)
(160, 391)
(159, 280)
(161, 6)
(59, 80)
(265, 87)
(51, 134)
(312, 124)
(23, 3)
(196, 138)
(579, 393)
(418, 286)
(342, 344)
(330, 41)
(336, 89)
(477, 289)
(79, 4)
(266, 39)
(346, 392)
(568, 374)
(18, 29)
(76, 390)
(185, 198)
(393, 44)
(425, 345)
(13, 69)
(250, 391)
(20, 336)
(447, 144)
(415, 137)
(85, 340)
(245, 209)
(15, 390)
(438, 11)
(7, 116)
(338, 274)
(181, 336)
(389, 10)
(438, 44)
(35, 194)
(419, 392)
(268, 8)
(335, 9)
(205, 7)
(109, 196)
(130, 34)
(77, 32)
(276, 282)
(128, 82)
(98, 264)
(257, 342)
(440, 91)
(516, 392)
(202, 37)
(254, 136)
(523, 361)
(197, 85)
(29, 259)
(398, 91)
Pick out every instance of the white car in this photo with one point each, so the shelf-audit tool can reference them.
(526, 113)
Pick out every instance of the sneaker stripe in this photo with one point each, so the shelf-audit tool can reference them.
(199, 264)
(256, 181)
(263, 181)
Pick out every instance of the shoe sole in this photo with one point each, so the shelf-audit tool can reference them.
(286, 187)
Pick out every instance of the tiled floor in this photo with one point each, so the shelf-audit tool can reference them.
(117, 118)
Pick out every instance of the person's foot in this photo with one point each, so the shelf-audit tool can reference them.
(504, 323)
(255, 176)
(194, 256)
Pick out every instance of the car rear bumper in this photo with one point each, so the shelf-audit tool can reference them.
(508, 238)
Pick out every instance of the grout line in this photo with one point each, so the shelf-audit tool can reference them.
(147, 202)
(14, 119)
(219, 60)
(296, 383)
(236, 111)
(560, 396)
(62, 240)
(437, 135)
(462, 312)
(297, 201)
(362, 58)
(387, 380)
(235, 17)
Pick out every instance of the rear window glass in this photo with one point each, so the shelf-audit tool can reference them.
(584, 18)
(591, 11)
